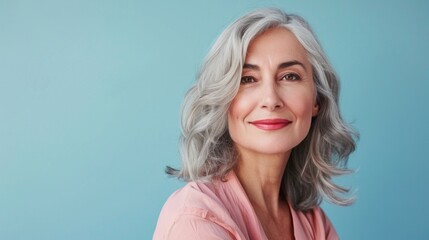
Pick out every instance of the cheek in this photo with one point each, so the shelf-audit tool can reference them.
(238, 109)
(304, 108)
(232, 119)
(236, 117)
(233, 126)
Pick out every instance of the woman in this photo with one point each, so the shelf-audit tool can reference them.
(261, 137)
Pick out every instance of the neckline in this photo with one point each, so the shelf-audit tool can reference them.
(232, 176)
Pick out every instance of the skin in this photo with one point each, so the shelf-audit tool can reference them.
(277, 83)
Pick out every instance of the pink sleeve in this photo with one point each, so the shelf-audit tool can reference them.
(192, 227)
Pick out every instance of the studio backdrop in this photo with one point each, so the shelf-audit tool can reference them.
(90, 95)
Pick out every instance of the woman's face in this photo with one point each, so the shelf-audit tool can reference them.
(273, 108)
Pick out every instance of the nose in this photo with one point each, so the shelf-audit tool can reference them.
(271, 98)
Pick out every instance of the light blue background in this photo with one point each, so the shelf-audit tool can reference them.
(90, 93)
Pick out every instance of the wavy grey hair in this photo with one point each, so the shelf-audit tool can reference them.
(207, 150)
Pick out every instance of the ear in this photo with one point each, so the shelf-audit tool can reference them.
(315, 110)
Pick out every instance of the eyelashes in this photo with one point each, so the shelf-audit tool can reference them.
(291, 77)
(247, 79)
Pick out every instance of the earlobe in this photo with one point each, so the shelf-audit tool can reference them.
(315, 110)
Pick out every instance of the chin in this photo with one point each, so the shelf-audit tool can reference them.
(272, 149)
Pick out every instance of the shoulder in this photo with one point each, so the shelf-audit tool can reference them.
(196, 211)
(196, 198)
(316, 222)
(193, 227)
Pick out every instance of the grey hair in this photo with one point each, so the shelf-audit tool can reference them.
(207, 149)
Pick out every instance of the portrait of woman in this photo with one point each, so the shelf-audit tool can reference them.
(228, 120)
(262, 137)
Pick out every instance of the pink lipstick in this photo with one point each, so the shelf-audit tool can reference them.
(271, 124)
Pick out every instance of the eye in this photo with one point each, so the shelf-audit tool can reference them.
(247, 79)
(291, 77)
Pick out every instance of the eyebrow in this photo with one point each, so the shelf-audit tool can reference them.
(281, 65)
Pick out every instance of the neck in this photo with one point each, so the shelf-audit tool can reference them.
(261, 177)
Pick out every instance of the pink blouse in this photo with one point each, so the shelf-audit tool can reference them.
(221, 210)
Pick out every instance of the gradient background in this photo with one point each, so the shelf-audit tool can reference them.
(90, 93)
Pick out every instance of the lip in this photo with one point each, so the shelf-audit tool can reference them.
(271, 124)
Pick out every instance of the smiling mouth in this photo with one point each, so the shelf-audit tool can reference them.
(271, 124)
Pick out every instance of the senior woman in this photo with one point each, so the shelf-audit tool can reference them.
(261, 137)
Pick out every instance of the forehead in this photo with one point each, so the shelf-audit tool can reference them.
(276, 44)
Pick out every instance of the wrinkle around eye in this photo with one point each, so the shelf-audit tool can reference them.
(291, 77)
(247, 80)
